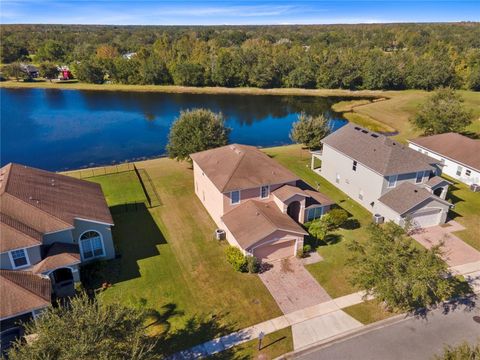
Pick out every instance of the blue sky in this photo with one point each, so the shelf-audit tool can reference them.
(121, 12)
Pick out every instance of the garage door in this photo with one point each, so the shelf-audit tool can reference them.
(426, 218)
(275, 251)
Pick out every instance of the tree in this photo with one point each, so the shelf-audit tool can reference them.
(51, 51)
(48, 70)
(87, 330)
(318, 229)
(335, 218)
(442, 112)
(310, 130)
(89, 72)
(196, 130)
(13, 70)
(188, 74)
(106, 51)
(464, 351)
(390, 267)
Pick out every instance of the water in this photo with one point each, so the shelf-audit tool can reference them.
(68, 129)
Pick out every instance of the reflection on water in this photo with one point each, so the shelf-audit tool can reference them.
(65, 129)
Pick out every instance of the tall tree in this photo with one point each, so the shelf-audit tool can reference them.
(14, 70)
(48, 70)
(87, 330)
(442, 112)
(89, 72)
(196, 130)
(310, 130)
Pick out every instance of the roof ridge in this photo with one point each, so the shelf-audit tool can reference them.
(262, 212)
(235, 168)
(6, 277)
(18, 230)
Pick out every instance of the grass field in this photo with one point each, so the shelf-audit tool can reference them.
(121, 188)
(368, 312)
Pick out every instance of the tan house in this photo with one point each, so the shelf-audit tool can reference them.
(259, 203)
(49, 225)
(387, 178)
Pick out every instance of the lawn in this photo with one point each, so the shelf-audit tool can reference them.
(121, 188)
(170, 262)
(369, 312)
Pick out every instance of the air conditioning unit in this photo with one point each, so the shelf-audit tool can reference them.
(378, 219)
(220, 234)
(475, 187)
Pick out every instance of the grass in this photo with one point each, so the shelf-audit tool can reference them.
(369, 312)
(121, 188)
(368, 122)
(348, 105)
(466, 212)
(170, 262)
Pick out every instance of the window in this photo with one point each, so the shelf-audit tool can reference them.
(314, 213)
(19, 258)
(392, 181)
(419, 177)
(235, 197)
(459, 170)
(264, 191)
(91, 244)
(354, 167)
(468, 172)
(360, 194)
(337, 178)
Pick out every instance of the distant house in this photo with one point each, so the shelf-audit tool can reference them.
(459, 155)
(129, 55)
(258, 202)
(50, 224)
(384, 176)
(30, 70)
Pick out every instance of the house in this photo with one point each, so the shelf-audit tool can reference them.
(30, 70)
(384, 176)
(257, 202)
(50, 224)
(460, 155)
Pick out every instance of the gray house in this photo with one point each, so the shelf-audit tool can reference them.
(50, 224)
(384, 176)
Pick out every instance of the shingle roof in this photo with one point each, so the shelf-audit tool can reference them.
(406, 196)
(58, 255)
(286, 192)
(48, 202)
(434, 181)
(318, 198)
(378, 152)
(237, 167)
(253, 220)
(454, 146)
(22, 291)
(15, 235)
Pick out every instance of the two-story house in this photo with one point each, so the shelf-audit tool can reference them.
(49, 225)
(259, 203)
(384, 176)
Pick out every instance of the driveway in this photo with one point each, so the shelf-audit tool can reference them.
(456, 252)
(292, 286)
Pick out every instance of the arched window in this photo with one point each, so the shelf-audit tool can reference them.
(91, 244)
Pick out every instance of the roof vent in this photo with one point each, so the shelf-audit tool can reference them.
(365, 131)
(415, 191)
(374, 135)
(357, 128)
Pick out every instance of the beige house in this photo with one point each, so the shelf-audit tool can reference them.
(50, 224)
(384, 176)
(259, 203)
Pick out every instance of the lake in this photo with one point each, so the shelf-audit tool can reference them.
(67, 129)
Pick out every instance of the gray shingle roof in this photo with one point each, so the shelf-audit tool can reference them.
(378, 152)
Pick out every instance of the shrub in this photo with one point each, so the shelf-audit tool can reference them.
(336, 218)
(236, 258)
(253, 265)
(307, 248)
(300, 253)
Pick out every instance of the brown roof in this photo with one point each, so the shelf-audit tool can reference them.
(254, 220)
(434, 181)
(59, 255)
(453, 146)
(378, 152)
(237, 167)
(48, 202)
(406, 196)
(288, 191)
(16, 235)
(318, 198)
(22, 291)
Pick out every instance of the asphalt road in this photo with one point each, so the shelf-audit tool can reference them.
(410, 339)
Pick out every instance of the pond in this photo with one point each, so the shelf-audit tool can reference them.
(67, 129)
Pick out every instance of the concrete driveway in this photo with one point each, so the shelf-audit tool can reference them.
(292, 286)
(456, 251)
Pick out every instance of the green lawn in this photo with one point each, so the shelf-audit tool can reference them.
(369, 312)
(171, 262)
(121, 188)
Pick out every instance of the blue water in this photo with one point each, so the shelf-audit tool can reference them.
(68, 129)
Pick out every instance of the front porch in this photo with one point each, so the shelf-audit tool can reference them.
(316, 161)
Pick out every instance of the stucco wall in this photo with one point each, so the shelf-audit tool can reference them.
(277, 237)
(402, 178)
(34, 256)
(450, 167)
(81, 226)
(61, 236)
(211, 198)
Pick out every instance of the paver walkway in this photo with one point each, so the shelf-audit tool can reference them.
(292, 286)
(457, 252)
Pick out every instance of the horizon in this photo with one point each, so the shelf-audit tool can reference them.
(235, 13)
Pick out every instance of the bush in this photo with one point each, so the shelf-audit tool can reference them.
(336, 218)
(236, 258)
(300, 253)
(253, 265)
(307, 249)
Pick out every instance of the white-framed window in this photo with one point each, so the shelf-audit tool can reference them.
(337, 178)
(235, 197)
(264, 191)
(314, 213)
(459, 170)
(354, 166)
(392, 181)
(91, 244)
(360, 194)
(19, 258)
(419, 177)
(468, 172)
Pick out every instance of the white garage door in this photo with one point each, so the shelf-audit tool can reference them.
(275, 251)
(425, 218)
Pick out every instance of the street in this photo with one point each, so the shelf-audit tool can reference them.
(411, 338)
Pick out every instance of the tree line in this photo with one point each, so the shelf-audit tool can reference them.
(387, 56)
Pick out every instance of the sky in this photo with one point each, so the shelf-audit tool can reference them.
(207, 12)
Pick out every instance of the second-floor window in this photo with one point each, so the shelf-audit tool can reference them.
(354, 166)
(468, 172)
(419, 177)
(235, 197)
(459, 170)
(19, 258)
(264, 191)
(392, 181)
